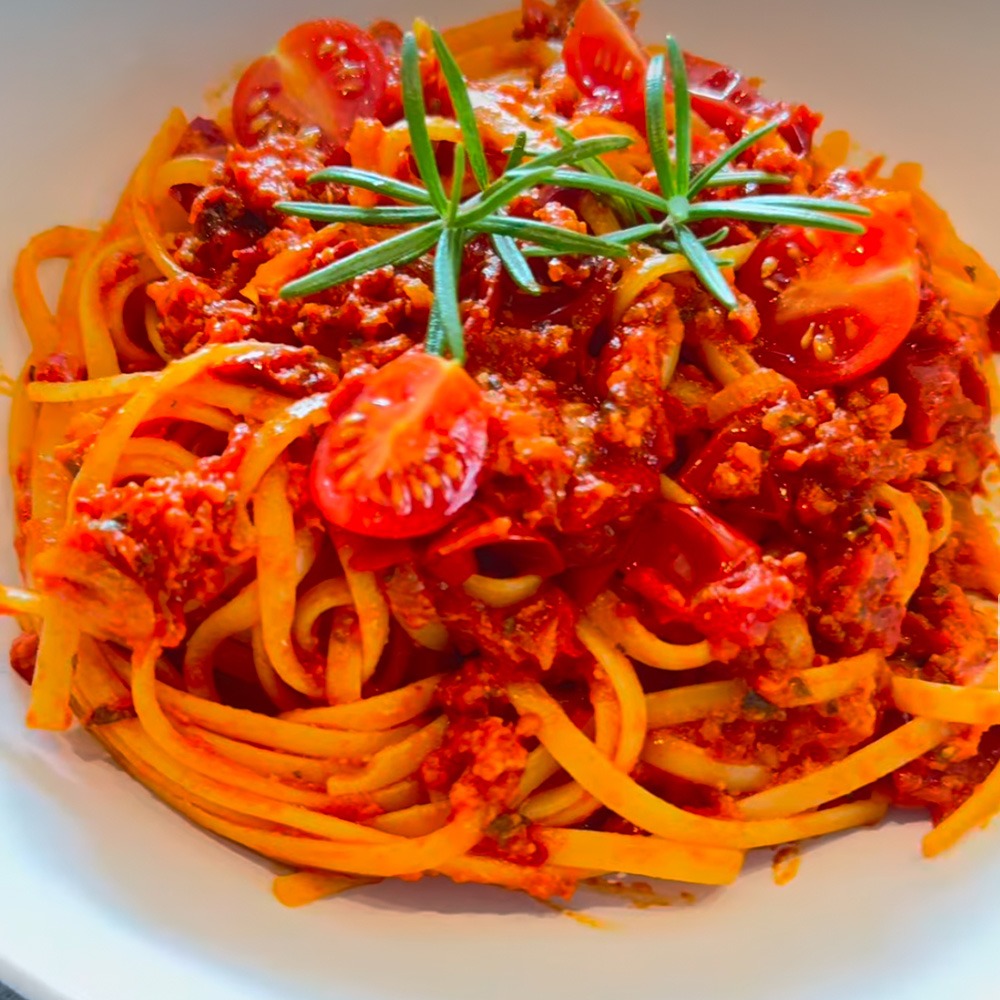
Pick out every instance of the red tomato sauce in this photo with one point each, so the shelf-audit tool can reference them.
(553, 438)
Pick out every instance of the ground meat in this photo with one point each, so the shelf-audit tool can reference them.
(847, 441)
(854, 602)
(480, 761)
(548, 464)
(739, 474)
(277, 169)
(135, 555)
(193, 314)
(531, 635)
(376, 307)
(940, 783)
(513, 334)
(632, 367)
(941, 631)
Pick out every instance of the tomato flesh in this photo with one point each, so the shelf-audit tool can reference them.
(834, 306)
(602, 54)
(404, 450)
(322, 73)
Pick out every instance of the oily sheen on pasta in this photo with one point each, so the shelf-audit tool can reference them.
(518, 454)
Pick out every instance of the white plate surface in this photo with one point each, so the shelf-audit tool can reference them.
(107, 895)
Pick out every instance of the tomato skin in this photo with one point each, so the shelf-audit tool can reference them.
(835, 306)
(322, 73)
(939, 387)
(692, 567)
(404, 451)
(480, 541)
(694, 548)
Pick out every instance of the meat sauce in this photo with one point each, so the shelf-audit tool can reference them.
(582, 425)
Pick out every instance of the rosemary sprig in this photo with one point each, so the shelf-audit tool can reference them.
(595, 166)
(679, 187)
(505, 246)
(444, 219)
(401, 249)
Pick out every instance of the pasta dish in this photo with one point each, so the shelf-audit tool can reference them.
(516, 453)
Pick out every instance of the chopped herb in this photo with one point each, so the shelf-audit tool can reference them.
(106, 715)
(755, 705)
(799, 688)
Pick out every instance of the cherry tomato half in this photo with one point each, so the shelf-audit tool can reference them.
(834, 306)
(724, 99)
(604, 59)
(322, 73)
(404, 451)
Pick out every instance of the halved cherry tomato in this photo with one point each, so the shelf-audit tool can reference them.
(604, 59)
(834, 306)
(322, 73)
(724, 99)
(404, 451)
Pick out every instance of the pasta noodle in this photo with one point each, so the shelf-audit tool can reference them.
(624, 545)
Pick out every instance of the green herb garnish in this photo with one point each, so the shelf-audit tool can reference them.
(595, 166)
(679, 188)
(446, 221)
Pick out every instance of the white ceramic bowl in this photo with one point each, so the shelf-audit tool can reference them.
(105, 894)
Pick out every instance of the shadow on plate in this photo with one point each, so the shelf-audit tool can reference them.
(147, 877)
